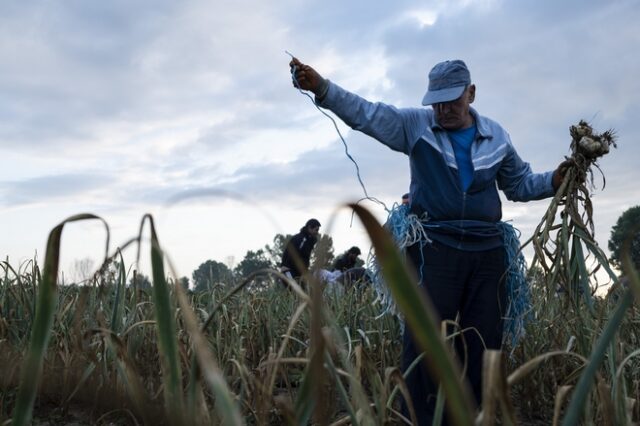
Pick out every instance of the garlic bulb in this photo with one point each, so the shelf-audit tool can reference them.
(591, 147)
(589, 144)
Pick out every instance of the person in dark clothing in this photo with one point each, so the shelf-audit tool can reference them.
(347, 264)
(300, 246)
(347, 260)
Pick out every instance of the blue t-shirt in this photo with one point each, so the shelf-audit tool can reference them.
(461, 141)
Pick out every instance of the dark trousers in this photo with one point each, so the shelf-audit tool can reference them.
(467, 283)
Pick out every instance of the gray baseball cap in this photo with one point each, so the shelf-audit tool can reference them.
(447, 81)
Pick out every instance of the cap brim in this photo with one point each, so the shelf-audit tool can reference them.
(443, 95)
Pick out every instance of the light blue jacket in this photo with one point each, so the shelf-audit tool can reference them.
(466, 220)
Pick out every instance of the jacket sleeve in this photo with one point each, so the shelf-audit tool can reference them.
(517, 180)
(287, 257)
(394, 127)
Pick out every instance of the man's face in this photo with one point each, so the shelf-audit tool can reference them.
(455, 115)
(314, 231)
(353, 256)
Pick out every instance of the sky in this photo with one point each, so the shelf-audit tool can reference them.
(185, 110)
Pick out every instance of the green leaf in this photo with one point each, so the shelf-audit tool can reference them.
(40, 333)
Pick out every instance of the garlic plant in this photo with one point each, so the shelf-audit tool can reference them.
(564, 243)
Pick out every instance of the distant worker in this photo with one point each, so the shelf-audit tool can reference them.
(300, 245)
(347, 260)
(406, 200)
(347, 263)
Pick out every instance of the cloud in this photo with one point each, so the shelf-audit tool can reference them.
(45, 189)
(122, 104)
(327, 175)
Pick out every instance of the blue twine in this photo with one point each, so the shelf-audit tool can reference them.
(519, 306)
(406, 229)
(397, 222)
(398, 226)
(403, 227)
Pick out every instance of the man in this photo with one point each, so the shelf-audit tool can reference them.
(458, 160)
(405, 199)
(299, 248)
(347, 260)
(346, 263)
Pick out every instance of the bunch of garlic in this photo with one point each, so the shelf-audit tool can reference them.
(588, 143)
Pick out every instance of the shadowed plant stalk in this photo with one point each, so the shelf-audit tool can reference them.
(576, 407)
(633, 292)
(278, 356)
(43, 322)
(227, 407)
(166, 329)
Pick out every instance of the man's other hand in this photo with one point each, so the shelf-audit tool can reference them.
(559, 174)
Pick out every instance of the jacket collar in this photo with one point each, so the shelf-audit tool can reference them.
(483, 129)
